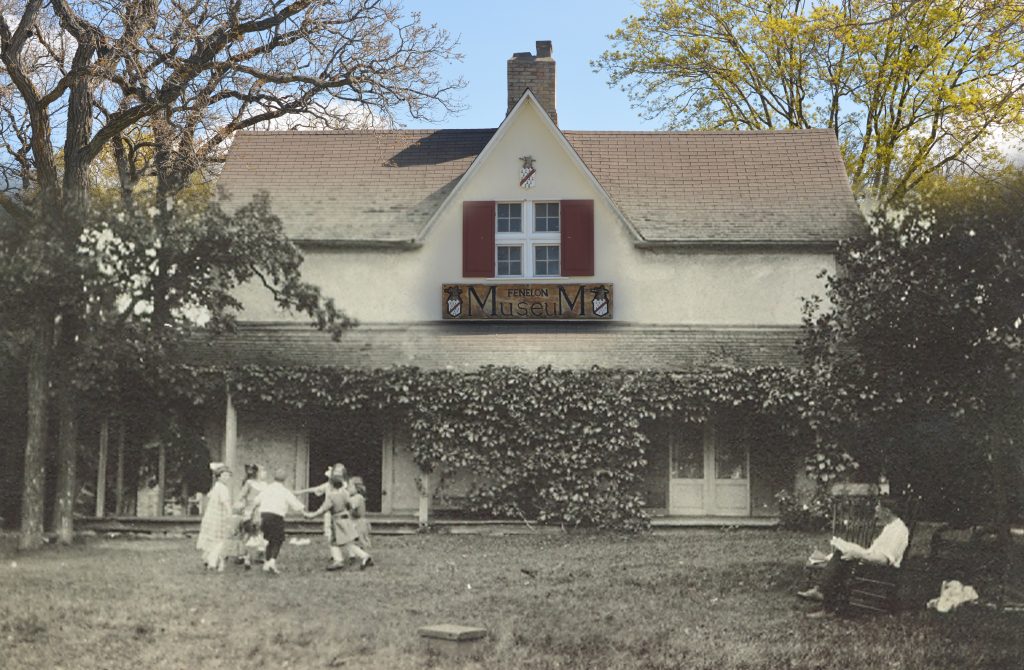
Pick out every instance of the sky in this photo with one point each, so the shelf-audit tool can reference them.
(489, 33)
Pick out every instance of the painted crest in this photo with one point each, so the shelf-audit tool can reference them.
(454, 302)
(527, 172)
(600, 301)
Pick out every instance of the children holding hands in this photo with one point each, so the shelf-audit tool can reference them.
(357, 493)
(274, 503)
(344, 534)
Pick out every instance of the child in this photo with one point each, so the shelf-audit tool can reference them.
(218, 524)
(274, 503)
(357, 494)
(253, 543)
(343, 531)
(322, 490)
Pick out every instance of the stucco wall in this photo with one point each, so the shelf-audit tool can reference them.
(742, 287)
(272, 440)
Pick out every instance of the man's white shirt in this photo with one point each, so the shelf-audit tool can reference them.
(892, 542)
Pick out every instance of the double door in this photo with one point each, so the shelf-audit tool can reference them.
(709, 470)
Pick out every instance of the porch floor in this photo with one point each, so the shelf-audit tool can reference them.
(402, 524)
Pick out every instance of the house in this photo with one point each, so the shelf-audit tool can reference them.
(530, 245)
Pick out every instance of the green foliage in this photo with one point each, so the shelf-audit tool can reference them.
(918, 363)
(559, 446)
(911, 88)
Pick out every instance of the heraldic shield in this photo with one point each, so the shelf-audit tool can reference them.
(599, 304)
(454, 302)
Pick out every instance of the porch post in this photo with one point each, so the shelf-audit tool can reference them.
(426, 498)
(161, 475)
(230, 433)
(119, 483)
(101, 471)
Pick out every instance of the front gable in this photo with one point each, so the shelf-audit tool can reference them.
(529, 172)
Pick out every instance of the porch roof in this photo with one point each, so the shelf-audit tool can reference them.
(468, 346)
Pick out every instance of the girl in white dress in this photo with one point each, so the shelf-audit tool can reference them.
(219, 525)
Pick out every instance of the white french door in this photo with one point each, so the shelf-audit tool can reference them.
(709, 470)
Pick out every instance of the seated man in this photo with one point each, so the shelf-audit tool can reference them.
(887, 549)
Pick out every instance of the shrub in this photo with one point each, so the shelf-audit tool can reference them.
(814, 514)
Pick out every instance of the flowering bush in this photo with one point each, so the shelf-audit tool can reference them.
(814, 514)
(827, 467)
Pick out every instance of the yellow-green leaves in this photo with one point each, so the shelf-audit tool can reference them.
(911, 88)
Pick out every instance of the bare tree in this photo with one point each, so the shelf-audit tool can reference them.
(166, 83)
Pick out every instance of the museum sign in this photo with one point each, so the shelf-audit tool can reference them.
(526, 302)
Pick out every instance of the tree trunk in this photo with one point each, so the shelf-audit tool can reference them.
(67, 436)
(35, 444)
(67, 458)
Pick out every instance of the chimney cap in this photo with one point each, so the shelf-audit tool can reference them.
(543, 48)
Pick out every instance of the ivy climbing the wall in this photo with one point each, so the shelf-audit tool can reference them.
(558, 446)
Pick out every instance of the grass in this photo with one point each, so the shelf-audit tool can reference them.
(690, 599)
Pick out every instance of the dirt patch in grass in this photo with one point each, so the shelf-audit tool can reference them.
(699, 599)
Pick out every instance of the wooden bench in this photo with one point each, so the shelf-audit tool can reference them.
(872, 588)
(875, 589)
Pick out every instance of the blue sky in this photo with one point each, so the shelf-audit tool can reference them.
(490, 33)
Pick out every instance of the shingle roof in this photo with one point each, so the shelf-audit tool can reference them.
(469, 346)
(725, 185)
(698, 186)
(351, 185)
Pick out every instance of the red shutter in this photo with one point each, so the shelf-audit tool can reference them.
(577, 238)
(478, 239)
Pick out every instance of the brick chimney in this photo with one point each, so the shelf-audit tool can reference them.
(537, 73)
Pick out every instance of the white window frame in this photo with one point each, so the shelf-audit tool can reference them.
(529, 239)
(497, 262)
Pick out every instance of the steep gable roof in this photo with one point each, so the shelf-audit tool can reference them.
(351, 185)
(725, 186)
(672, 187)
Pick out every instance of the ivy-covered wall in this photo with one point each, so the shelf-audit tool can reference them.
(560, 446)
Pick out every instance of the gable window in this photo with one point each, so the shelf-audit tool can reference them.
(526, 239)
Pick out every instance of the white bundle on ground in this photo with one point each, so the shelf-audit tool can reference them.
(952, 595)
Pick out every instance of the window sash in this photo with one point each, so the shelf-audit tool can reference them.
(547, 217)
(509, 260)
(509, 217)
(547, 260)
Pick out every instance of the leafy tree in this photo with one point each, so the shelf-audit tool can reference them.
(912, 89)
(77, 76)
(918, 361)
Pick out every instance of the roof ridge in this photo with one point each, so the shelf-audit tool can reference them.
(388, 131)
(364, 131)
(705, 131)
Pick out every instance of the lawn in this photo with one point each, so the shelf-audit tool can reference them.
(688, 599)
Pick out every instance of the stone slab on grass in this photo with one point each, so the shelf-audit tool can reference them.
(453, 632)
(455, 641)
